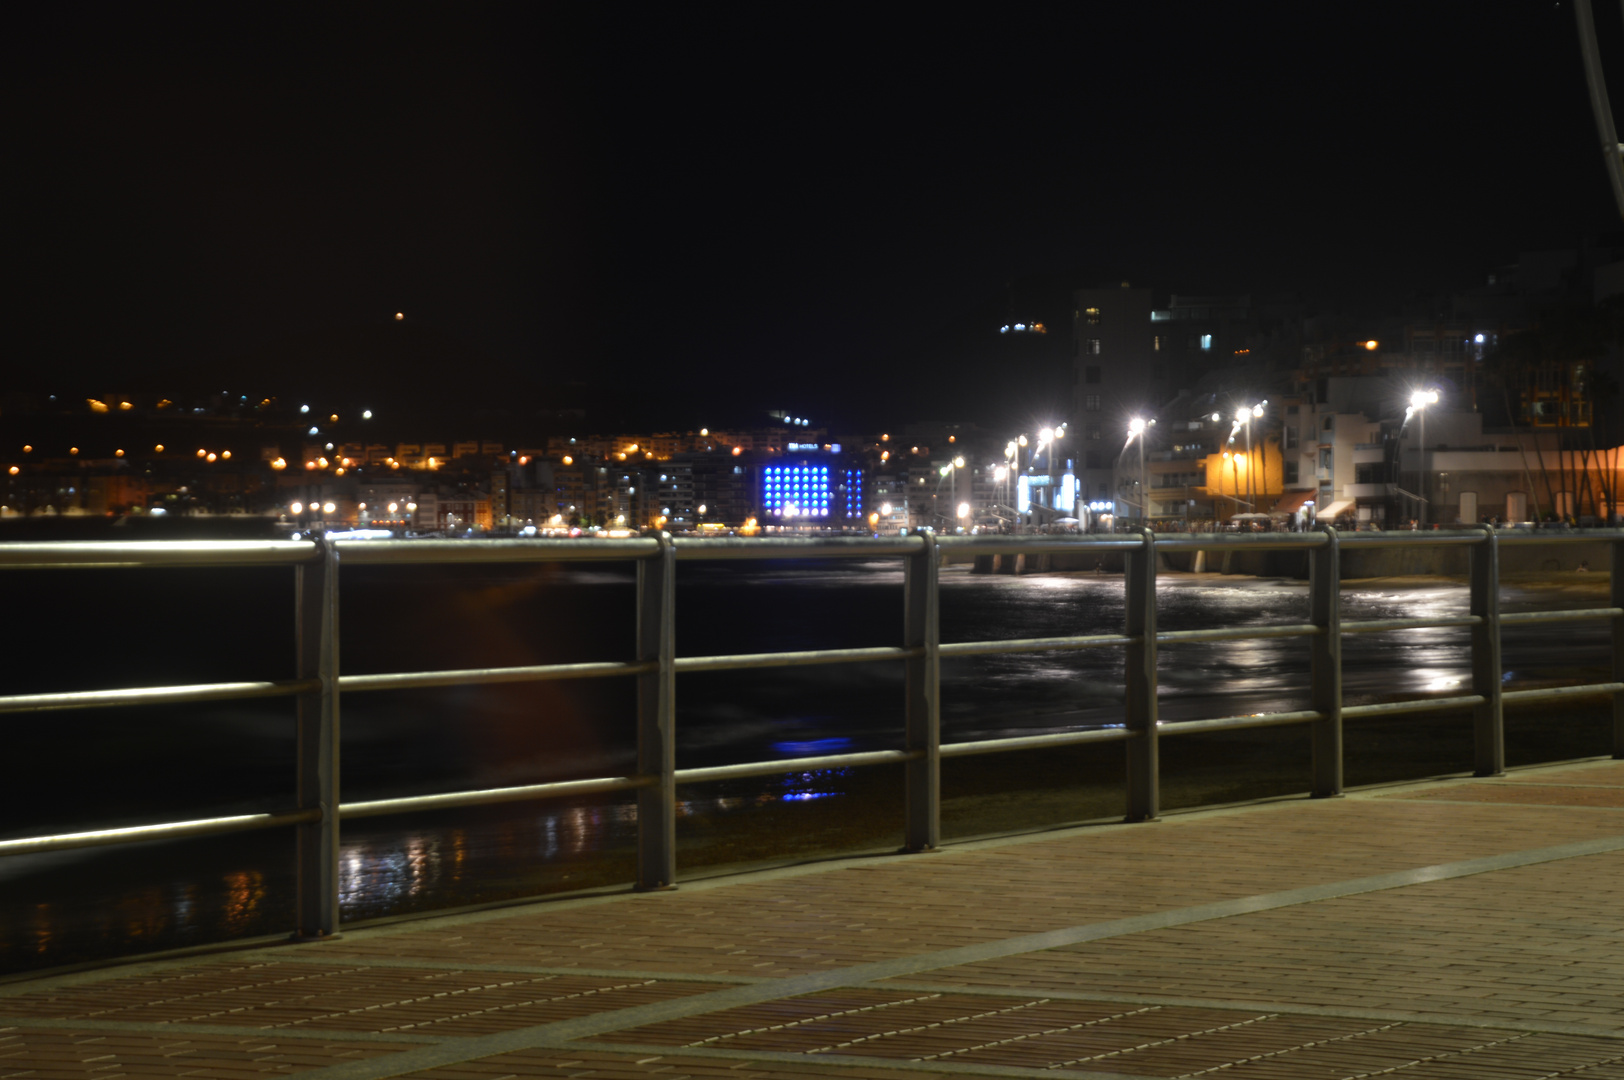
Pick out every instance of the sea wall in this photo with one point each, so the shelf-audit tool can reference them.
(1359, 562)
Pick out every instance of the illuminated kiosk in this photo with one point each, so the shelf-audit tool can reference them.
(813, 488)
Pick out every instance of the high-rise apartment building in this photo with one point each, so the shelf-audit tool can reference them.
(1118, 356)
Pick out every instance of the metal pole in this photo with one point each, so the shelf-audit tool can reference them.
(1144, 486)
(1618, 647)
(1488, 719)
(1421, 481)
(1251, 497)
(316, 657)
(923, 733)
(1325, 664)
(1600, 107)
(1144, 797)
(656, 719)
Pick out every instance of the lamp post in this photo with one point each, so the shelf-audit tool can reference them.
(950, 469)
(1418, 404)
(1244, 418)
(1136, 429)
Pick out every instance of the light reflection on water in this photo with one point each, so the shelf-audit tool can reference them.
(407, 864)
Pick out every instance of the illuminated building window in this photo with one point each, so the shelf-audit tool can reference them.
(1156, 343)
(1206, 342)
(1092, 346)
(1092, 316)
(1091, 403)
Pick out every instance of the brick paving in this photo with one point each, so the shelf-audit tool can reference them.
(1470, 928)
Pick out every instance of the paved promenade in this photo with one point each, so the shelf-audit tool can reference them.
(1467, 928)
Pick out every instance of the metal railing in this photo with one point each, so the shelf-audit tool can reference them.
(317, 810)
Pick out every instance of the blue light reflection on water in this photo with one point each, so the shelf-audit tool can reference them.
(813, 746)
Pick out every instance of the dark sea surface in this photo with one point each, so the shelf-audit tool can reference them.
(96, 629)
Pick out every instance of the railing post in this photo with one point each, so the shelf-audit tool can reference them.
(316, 657)
(656, 718)
(1144, 794)
(1618, 648)
(923, 735)
(1488, 719)
(1325, 664)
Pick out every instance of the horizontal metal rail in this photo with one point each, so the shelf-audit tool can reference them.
(1562, 693)
(1415, 705)
(1438, 538)
(416, 680)
(118, 554)
(1372, 626)
(1036, 742)
(1241, 541)
(806, 658)
(1570, 615)
(155, 695)
(1529, 537)
(724, 548)
(1018, 645)
(464, 552)
(795, 765)
(486, 796)
(1037, 545)
(1235, 723)
(172, 830)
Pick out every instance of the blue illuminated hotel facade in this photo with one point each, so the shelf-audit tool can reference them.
(818, 489)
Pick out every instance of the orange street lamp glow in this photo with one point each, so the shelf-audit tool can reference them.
(399, 315)
(1371, 345)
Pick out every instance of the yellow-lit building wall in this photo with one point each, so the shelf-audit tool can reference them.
(1231, 476)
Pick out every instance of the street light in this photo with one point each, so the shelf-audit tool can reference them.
(951, 468)
(1243, 418)
(1418, 405)
(1136, 429)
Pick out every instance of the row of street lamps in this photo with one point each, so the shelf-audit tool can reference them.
(1138, 429)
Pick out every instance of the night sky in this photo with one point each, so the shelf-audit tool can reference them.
(726, 209)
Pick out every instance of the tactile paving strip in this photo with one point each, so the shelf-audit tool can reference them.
(39, 1054)
(350, 997)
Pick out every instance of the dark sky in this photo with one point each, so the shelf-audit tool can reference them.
(799, 206)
